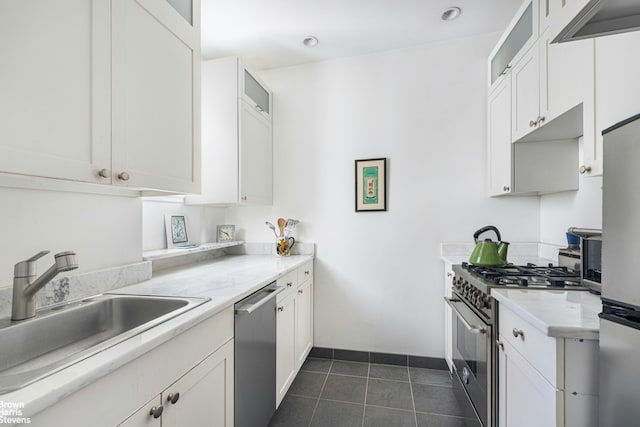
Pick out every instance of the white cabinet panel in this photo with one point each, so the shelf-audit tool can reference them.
(285, 346)
(525, 94)
(155, 64)
(499, 127)
(56, 86)
(256, 162)
(304, 322)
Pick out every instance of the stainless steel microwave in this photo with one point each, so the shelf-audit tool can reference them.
(590, 256)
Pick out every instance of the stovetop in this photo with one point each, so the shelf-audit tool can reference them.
(474, 283)
(529, 275)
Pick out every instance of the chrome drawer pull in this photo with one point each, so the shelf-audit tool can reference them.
(518, 333)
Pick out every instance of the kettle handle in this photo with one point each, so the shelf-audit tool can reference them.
(487, 228)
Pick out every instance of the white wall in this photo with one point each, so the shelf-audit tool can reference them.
(202, 221)
(582, 208)
(104, 231)
(379, 281)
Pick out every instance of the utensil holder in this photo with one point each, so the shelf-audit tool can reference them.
(284, 245)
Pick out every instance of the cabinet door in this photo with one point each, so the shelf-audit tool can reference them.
(285, 346)
(256, 157)
(617, 83)
(304, 322)
(205, 393)
(566, 77)
(448, 319)
(56, 88)
(143, 417)
(522, 392)
(499, 127)
(156, 96)
(525, 94)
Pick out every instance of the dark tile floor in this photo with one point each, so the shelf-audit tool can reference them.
(335, 393)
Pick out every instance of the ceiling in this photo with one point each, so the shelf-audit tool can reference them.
(269, 34)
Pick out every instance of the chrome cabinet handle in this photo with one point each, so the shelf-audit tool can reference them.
(281, 308)
(584, 169)
(500, 344)
(289, 284)
(173, 398)
(123, 176)
(506, 70)
(449, 274)
(518, 333)
(156, 411)
(306, 273)
(533, 124)
(505, 188)
(540, 119)
(300, 291)
(104, 173)
(471, 328)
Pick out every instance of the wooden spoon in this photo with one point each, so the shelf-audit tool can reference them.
(281, 223)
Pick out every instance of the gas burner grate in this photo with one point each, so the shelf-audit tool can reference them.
(527, 275)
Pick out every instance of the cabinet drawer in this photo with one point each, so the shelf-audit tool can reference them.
(544, 353)
(290, 282)
(305, 272)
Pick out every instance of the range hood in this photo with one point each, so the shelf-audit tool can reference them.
(602, 18)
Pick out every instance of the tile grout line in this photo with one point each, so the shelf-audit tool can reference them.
(413, 400)
(321, 390)
(366, 390)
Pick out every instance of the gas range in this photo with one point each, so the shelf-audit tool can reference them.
(474, 284)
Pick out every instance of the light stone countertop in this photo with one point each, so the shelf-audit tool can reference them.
(560, 314)
(225, 280)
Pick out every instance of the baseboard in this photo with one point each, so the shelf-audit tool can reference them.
(379, 358)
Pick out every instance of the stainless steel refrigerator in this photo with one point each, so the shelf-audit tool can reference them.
(620, 317)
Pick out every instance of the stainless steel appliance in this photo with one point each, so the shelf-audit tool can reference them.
(475, 328)
(255, 358)
(620, 317)
(590, 256)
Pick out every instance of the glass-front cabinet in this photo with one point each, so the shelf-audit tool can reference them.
(521, 34)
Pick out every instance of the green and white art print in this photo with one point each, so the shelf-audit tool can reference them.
(177, 231)
(371, 183)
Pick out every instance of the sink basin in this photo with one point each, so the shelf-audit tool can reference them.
(61, 336)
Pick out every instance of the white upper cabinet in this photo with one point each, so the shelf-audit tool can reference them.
(237, 136)
(525, 94)
(499, 128)
(521, 34)
(55, 83)
(617, 86)
(156, 61)
(101, 91)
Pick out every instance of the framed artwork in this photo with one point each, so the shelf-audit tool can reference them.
(177, 231)
(371, 185)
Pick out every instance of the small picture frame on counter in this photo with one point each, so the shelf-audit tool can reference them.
(371, 185)
(176, 227)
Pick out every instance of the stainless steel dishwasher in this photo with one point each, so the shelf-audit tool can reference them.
(255, 358)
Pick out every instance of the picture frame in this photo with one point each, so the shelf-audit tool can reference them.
(177, 229)
(371, 185)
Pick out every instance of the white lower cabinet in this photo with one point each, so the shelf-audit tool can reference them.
(285, 346)
(544, 381)
(294, 336)
(202, 397)
(448, 320)
(197, 364)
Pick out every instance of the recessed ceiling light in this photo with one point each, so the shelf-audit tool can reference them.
(451, 13)
(310, 41)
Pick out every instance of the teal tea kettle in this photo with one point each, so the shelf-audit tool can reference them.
(488, 253)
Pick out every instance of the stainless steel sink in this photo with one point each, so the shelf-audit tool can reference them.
(61, 336)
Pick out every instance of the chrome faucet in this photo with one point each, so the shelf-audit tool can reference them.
(25, 287)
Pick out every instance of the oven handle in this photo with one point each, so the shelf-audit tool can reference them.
(471, 328)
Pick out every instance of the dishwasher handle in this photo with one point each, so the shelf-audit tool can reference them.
(251, 307)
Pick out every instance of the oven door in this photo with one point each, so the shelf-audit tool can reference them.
(472, 358)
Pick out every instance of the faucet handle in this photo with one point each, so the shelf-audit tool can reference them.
(27, 268)
(37, 256)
